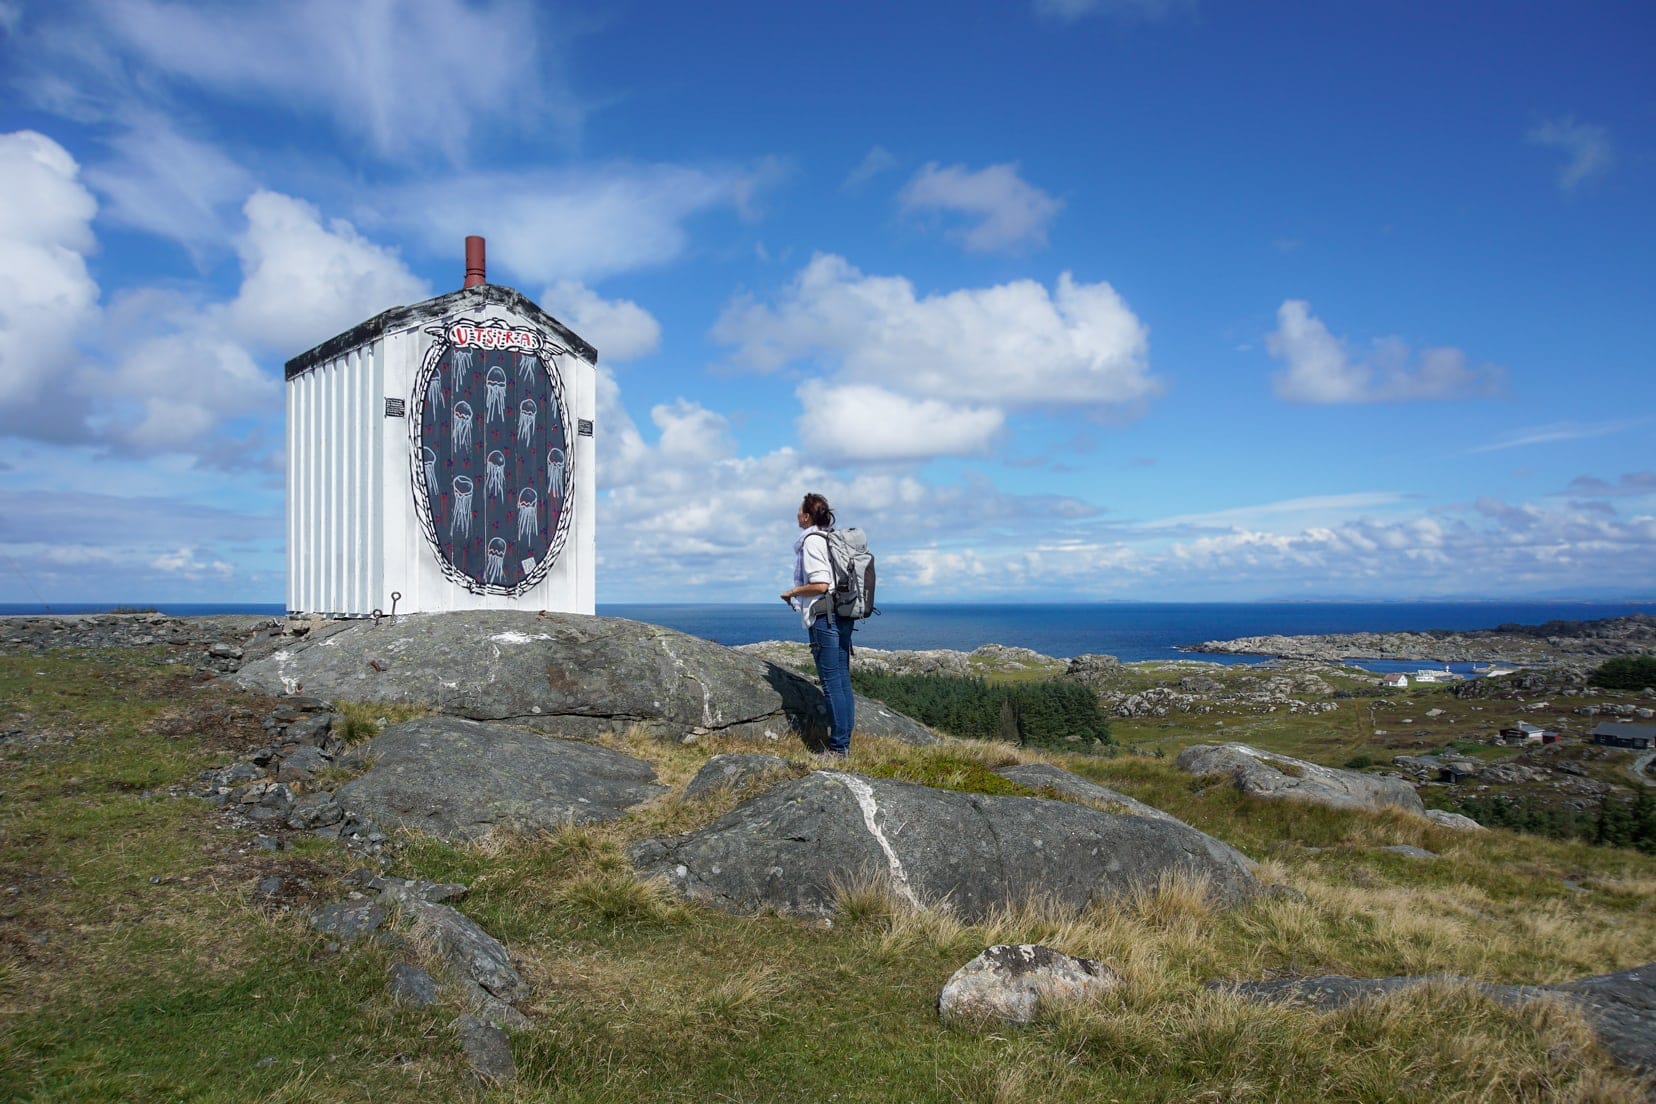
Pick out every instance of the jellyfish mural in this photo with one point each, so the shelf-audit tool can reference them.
(495, 556)
(528, 514)
(496, 392)
(460, 426)
(554, 475)
(494, 475)
(484, 420)
(461, 521)
(526, 420)
(428, 461)
(460, 363)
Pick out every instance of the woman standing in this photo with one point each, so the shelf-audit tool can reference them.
(813, 578)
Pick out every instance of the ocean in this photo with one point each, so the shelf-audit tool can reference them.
(1130, 631)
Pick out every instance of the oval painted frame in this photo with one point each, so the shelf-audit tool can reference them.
(491, 465)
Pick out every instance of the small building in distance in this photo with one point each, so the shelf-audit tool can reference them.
(1525, 733)
(1395, 682)
(1456, 771)
(1635, 736)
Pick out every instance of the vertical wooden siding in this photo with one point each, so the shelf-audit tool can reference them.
(335, 465)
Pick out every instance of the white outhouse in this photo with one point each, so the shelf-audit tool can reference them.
(440, 457)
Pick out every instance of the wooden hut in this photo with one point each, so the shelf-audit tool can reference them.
(440, 457)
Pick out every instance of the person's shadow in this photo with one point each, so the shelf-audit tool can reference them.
(804, 705)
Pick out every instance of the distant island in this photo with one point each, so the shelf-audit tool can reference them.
(1555, 643)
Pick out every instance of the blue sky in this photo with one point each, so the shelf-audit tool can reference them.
(1060, 300)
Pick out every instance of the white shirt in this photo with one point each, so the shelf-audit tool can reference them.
(811, 566)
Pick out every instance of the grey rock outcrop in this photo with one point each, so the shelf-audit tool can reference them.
(475, 962)
(348, 921)
(1529, 645)
(456, 779)
(217, 644)
(1268, 775)
(985, 659)
(472, 953)
(566, 674)
(1015, 984)
(412, 985)
(1621, 1006)
(735, 771)
(795, 846)
(1458, 821)
(488, 1050)
(1045, 776)
(1094, 670)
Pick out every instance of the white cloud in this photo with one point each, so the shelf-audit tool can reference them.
(1524, 546)
(407, 76)
(187, 382)
(77, 539)
(619, 329)
(685, 514)
(1068, 11)
(1009, 347)
(1587, 147)
(165, 183)
(1312, 504)
(864, 422)
(1630, 483)
(876, 161)
(1555, 434)
(303, 282)
(160, 371)
(545, 225)
(185, 561)
(1320, 370)
(48, 302)
(1004, 212)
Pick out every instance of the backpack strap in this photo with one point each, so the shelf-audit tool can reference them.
(833, 573)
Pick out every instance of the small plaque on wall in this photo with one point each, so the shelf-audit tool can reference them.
(395, 408)
(583, 427)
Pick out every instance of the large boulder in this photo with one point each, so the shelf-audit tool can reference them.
(1269, 775)
(566, 674)
(794, 847)
(1072, 787)
(456, 779)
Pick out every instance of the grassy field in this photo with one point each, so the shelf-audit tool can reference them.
(140, 962)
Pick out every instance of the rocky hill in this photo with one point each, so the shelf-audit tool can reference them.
(1555, 643)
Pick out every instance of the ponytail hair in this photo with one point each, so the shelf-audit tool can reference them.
(816, 508)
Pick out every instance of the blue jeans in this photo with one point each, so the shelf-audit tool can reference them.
(831, 648)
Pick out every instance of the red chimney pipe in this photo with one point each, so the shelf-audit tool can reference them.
(475, 264)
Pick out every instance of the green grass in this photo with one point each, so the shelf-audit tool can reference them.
(136, 965)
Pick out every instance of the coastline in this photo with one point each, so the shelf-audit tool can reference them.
(1553, 643)
(1545, 645)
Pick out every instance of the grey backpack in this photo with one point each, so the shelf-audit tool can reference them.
(853, 566)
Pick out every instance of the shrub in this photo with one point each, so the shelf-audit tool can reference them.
(1046, 714)
(1625, 673)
